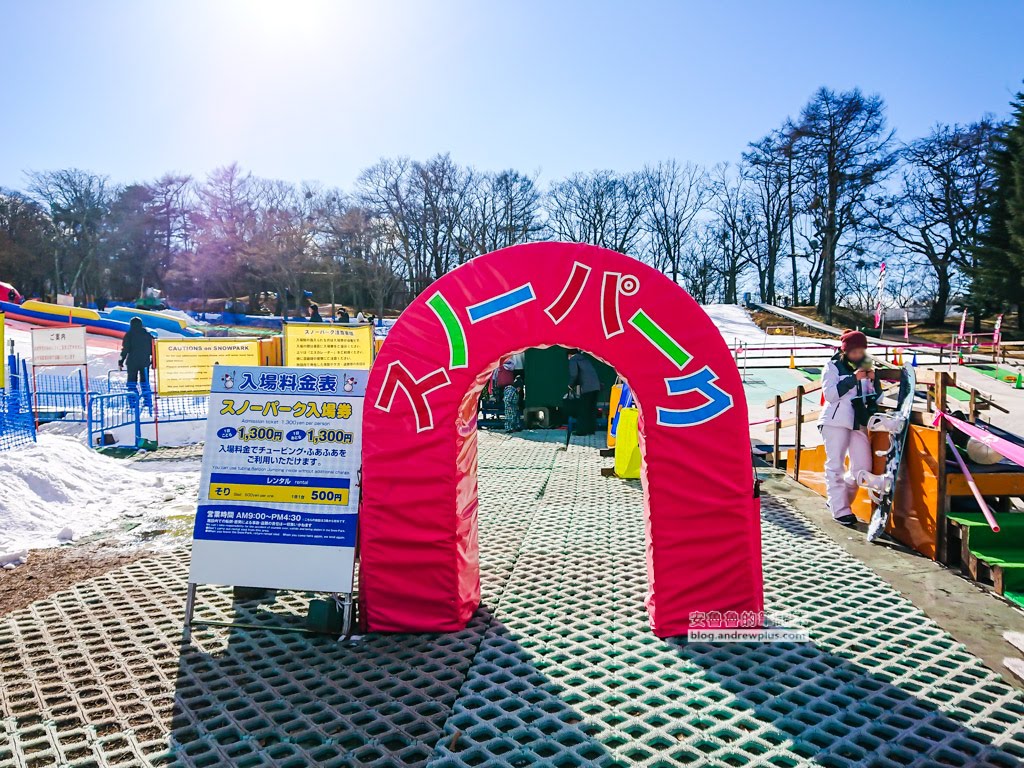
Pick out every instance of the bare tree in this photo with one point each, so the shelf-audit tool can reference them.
(363, 251)
(503, 210)
(672, 195)
(844, 148)
(937, 214)
(734, 227)
(765, 167)
(171, 203)
(227, 220)
(601, 208)
(700, 268)
(284, 249)
(26, 233)
(426, 205)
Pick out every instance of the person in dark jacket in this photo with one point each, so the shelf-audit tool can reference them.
(583, 379)
(314, 314)
(137, 355)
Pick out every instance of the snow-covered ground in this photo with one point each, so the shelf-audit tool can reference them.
(736, 326)
(763, 360)
(59, 490)
(178, 314)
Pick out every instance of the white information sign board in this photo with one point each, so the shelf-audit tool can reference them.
(279, 490)
(59, 346)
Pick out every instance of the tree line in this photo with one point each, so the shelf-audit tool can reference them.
(805, 216)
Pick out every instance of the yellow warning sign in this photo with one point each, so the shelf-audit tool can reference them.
(322, 345)
(186, 367)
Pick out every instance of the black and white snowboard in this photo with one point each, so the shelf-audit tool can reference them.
(882, 487)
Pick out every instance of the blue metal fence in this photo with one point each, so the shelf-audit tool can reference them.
(116, 411)
(106, 405)
(17, 424)
(60, 397)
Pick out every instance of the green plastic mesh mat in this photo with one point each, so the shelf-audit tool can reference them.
(997, 372)
(558, 668)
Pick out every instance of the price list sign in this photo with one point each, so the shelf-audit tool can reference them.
(279, 491)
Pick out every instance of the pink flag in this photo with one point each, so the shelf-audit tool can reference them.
(879, 288)
(906, 326)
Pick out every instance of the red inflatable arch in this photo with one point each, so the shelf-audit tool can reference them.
(420, 570)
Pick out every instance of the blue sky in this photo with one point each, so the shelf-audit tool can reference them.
(318, 89)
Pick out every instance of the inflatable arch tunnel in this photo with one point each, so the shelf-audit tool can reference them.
(420, 570)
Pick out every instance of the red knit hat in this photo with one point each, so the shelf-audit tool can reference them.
(852, 340)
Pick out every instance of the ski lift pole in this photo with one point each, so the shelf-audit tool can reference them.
(989, 518)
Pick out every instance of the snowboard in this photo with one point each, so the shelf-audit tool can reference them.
(882, 488)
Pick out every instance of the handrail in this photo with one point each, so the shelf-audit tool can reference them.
(800, 391)
(792, 421)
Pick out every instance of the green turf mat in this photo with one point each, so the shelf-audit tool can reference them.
(997, 372)
(977, 520)
(811, 373)
(1005, 548)
(1016, 597)
(958, 394)
(993, 554)
(1013, 578)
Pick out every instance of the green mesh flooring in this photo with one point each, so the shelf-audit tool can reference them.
(557, 669)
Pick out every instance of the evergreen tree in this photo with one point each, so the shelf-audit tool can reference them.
(999, 278)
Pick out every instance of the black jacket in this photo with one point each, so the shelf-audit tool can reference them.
(582, 373)
(137, 348)
(863, 405)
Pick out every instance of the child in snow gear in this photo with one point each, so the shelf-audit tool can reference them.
(849, 401)
(503, 388)
(137, 353)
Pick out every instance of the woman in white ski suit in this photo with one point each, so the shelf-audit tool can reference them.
(843, 426)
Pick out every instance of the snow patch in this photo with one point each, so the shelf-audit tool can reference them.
(185, 317)
(735, 324)
(58, 489)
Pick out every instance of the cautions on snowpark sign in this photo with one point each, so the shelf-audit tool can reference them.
(186, 367)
